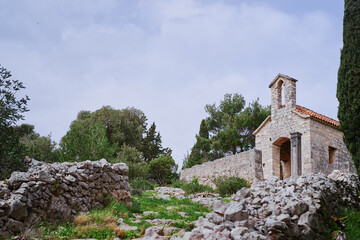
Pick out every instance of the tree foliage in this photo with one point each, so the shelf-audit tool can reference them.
(348, 88)
(129, 154)
(38, 147)
(152, 145)
(126, 133)
(227, 130)
(11, 111)
(85, 143)
(162, 168)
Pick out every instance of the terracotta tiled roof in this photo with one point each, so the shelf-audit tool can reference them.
(318, 116)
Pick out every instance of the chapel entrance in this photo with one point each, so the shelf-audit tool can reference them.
(282, 158)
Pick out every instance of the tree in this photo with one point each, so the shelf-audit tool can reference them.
(200, 152)
(152, 145)
(228, 129)
(37, 147)
(348, 87)
(231, 124)
(11, 110)
(162, 168)
(122, 126)
(85, 143)
(129, 154)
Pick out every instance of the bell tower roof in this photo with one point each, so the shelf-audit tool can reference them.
(280, 75)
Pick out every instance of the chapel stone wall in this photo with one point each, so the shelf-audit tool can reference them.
(245, 164)
(328, 151)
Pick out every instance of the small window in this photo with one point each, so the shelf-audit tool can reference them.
(331, 154)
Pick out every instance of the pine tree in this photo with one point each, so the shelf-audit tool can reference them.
(152, 145)
(348, 88)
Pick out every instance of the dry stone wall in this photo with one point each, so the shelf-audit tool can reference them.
(245, 164)
(294, 208)
(58, 191)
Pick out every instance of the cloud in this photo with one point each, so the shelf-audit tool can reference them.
(167, 58)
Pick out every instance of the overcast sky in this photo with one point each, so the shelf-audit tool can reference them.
(167, 58)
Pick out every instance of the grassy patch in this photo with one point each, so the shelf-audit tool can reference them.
(139, 185)
(351, 219)
(193, 187)
(103, 223)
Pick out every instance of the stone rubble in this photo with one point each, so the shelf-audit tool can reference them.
(58, 191)
(294, 208)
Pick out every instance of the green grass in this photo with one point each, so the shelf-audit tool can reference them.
(351, 219)
(102, 224)
(226, 186)
(193, 187)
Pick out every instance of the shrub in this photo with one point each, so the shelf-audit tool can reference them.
(194, 187)
(139, 185)
(161, 168)
(229, 185)
(138, 170)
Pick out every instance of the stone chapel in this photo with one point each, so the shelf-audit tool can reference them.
(292, 141)
(295, 140)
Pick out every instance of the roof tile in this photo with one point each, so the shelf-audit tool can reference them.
(317, 116)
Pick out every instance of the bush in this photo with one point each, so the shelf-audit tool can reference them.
(139, 185)
(229, 185)
(193, 187)
(138, 170)
(161, 168)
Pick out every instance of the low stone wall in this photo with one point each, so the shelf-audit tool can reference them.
(58, 191)
(245, 164)
(294, 208)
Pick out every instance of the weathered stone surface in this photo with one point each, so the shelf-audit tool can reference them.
(17, 208)
(17, 178)
(280, 209)
(236, 212)
(220, 207)
(14, 226)
(242, 194)
(59, 209)
(59, 191)
(244, 164)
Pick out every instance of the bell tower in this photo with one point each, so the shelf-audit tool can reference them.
(283, 93)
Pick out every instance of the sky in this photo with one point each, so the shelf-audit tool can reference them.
(168, 58)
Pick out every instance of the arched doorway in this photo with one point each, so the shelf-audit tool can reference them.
(282, 158)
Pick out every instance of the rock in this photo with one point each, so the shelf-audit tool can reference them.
(14, 226)
(238, 232)
(17, 178)
(235, 212)
(297, 207)
(17, 208)
(254, 236)
(121, 168)
(163, 196)
(272, 225)
(155, 232)
(284, 218)
(183, 214)
(58, 209)
(214, 218)
(220, 207)
(309, 219)
(161, 222)
(242, 194)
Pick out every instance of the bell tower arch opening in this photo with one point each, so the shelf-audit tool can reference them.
(280, 94)
(282, 158)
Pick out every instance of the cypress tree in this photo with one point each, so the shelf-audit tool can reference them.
(348, 88)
